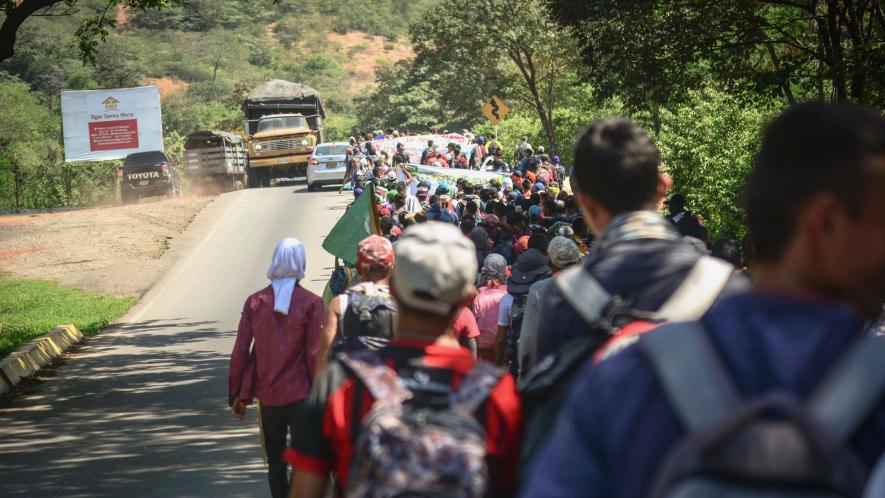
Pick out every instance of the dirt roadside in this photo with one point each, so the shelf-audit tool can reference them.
(113, 251)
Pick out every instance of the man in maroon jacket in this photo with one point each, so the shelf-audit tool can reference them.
(275, 354)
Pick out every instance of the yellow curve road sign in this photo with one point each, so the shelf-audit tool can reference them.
(495, 109)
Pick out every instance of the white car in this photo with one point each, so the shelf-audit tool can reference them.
(326, 165)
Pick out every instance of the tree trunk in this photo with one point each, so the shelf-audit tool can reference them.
(853, 19)
(14, 20)
(838, 57)
(16, 171)
(68, 188)
(656, 120)
(527, 69)
(783, 81)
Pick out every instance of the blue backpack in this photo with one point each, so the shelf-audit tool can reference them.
(773, 446)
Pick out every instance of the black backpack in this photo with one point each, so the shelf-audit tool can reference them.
(544, 389)
(517, 312)
(368, 321)
(771, 446)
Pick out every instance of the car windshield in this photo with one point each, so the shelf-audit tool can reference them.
(331, 150)
(281, 122)
(142, 158)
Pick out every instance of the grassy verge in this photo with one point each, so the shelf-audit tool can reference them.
(29, 308)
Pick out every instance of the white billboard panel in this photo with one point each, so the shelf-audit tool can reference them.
(110, 124)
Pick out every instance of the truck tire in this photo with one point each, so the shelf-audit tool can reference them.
(252, 178)
(262, 178)
(300, 170)
(237, 185)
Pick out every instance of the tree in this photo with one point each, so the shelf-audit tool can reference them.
(43, 61)
(117, 65)
(23, 137)
(652, 51)
(92, 30)
(222, 48)
(518, 32)
(708, 144)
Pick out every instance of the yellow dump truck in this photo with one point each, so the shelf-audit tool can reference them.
(284, 123)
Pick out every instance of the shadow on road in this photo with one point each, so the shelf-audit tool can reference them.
(126, 422)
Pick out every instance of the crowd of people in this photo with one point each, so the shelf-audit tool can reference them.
(515, 337)
(469, 152)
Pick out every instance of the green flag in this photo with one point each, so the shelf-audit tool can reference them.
(358, 222)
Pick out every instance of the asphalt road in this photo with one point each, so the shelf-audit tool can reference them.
(141, 410)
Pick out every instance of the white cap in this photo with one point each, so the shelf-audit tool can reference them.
(435, 267)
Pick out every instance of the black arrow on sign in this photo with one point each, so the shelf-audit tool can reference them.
(495, 108)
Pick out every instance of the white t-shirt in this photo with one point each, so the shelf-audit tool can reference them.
(412, 186)
(504, 310)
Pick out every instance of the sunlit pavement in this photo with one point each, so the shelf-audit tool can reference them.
(142, 409)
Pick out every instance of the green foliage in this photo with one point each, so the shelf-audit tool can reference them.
(186, 70)
(117, 65)
(29, 308)
(708, 145)
(525, 48)
(339, 127)
(798, 50)
(214, 51)
(569, 121)
(390, 19)
(96, 29)
(184, 116)
(207, 91)
(31, 158)
(404, 100)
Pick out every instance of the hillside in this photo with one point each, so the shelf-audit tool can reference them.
(205, 54)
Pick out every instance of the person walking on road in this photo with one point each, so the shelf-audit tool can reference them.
(791, 354)
(432, 281)
(364, 317)
(275, 355)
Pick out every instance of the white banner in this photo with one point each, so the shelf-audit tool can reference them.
(414, 145)
(110, 124)
(453, 174)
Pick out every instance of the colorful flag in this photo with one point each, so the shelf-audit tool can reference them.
(359, 221)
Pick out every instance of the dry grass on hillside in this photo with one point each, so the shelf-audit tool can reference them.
(366, 52)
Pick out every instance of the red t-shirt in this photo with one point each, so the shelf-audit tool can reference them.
(329, 423)
(465, 325)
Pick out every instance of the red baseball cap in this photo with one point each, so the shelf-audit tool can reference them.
(374, 250)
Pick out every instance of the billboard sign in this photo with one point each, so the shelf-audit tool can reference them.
(100, 125)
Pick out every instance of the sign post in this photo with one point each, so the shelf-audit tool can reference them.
(494, 110)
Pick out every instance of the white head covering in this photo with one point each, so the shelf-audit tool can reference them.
(286, 269)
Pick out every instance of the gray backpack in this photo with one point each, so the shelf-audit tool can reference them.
(544, 388)
(408, 451)
(773, 446)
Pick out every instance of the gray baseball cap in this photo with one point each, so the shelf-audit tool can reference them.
(435, 267)
(563, 251)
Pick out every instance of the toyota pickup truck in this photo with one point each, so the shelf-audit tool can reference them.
(148, 173)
